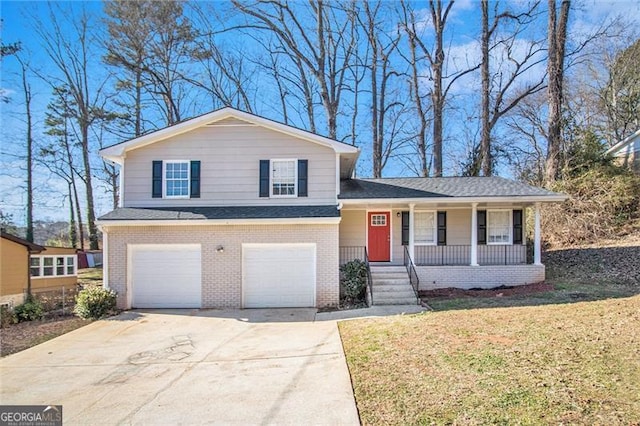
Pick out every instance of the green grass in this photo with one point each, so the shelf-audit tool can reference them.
(576, 363)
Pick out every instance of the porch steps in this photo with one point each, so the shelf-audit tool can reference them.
(391, 286)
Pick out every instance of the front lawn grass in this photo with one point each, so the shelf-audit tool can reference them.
(576, 363)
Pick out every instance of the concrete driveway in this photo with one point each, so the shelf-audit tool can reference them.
(189, 367)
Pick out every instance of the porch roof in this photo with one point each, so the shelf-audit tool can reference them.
(444, 188)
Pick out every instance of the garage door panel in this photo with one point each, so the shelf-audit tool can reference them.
(166, 276)
(279, 275)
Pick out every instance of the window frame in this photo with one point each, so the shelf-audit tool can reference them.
(164, 179)
(54, 265)
(272, 180)
(509, 227)
(434, 214)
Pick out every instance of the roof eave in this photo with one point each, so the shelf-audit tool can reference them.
(118, 151)
(460, 200)
(624, 142)
(220, 222)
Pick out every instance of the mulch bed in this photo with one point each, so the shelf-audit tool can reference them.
(18, 337)
(455, 293)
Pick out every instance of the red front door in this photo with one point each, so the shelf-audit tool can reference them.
(379, 230)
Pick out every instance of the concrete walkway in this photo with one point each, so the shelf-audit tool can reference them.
(280, 366)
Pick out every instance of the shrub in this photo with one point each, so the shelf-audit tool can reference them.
(354, 279)
(29, 311)
(95, 303)
(7, 316)
(603, 202)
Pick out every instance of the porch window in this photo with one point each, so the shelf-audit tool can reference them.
(283, 178)
(499, 226)
(35, 266)
(424, 228)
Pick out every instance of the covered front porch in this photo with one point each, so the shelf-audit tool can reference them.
(454, 244)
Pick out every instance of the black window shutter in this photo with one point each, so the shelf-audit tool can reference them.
(405, 228)
(195, 179)
(264, 178)
(517, 226)
(442, 228)
(482, 227)
(156, 180)
(303, 166)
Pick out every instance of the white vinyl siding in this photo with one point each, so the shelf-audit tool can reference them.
(424, 227)
(499, 226)
(53, 266)
(230, 167)
(284, 178)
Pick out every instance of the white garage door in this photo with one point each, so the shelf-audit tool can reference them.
(165, 276)
(279, 275)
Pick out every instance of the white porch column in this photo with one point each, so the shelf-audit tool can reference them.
(411, 244)
(474, 234)
(537, 253)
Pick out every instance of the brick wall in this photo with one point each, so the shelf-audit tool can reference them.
(222, 272)
(466, 277)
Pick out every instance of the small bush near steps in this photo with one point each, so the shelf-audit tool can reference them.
(95, 303)
(30, 310)
(7, 316)
(354, 280)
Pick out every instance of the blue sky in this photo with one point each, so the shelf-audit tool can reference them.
(51, 204)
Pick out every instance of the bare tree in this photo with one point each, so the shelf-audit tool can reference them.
(152, 40)
(68, 46)
(28, 99)
(500, 91)
(557, 38)
(381, 47)
(442, 80)
(320, 40)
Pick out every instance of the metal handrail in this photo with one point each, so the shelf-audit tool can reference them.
(369, 280)
(413, 275)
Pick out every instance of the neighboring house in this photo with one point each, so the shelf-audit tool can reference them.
(14, 267)
(48, 268)
(627, 152)
(231, 210)
(53, 269)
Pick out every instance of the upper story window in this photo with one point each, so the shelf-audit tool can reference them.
(284, 178)
(498, 226)
(176, 179)
(424, 228)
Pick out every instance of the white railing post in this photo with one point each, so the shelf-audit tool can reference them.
(537, 253)
(474, 234)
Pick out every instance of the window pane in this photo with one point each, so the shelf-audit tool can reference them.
(35, 261)
(284, 177)
(424, 227)
(48, 261)
(177, 179)
(499, 226)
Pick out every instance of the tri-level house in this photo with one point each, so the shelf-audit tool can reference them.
(231, 210)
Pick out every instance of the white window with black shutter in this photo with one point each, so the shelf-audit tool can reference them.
(282, 178)
(428, 229)
(500, 226)
(175, 179)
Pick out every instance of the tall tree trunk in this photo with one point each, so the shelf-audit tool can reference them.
(73, 232)
(485, 138)
(138, 103)
(27, 102)
(557, 36)
(91, 215)
(437, 95)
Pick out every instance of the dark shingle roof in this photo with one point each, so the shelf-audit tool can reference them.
(34, 248)
(203, 213)
(438, 188)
